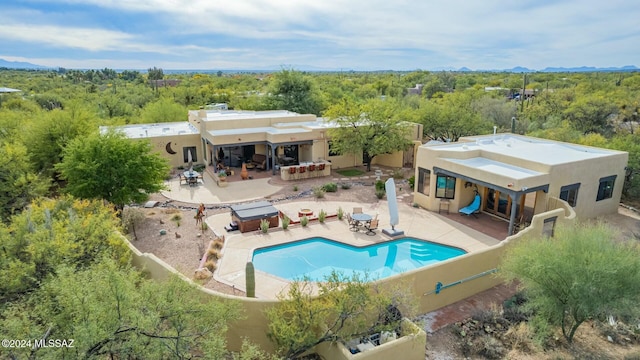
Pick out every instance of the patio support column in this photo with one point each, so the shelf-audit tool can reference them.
(514, 209)
(273, 160)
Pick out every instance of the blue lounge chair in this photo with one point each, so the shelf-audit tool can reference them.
(473, 208)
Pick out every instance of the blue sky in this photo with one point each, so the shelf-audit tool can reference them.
(325, 34)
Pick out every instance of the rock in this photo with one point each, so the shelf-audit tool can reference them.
(609, 339)
(163, 232)
(203, 274)
(198, 235)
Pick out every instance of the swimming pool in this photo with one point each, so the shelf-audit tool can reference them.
(317, 257)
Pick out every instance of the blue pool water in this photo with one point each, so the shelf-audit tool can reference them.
(317, 257)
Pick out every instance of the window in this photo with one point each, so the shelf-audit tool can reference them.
(605, 190)
(548, 226)
(569, 193)
(424, 181)
(185, 153)
(445, 187)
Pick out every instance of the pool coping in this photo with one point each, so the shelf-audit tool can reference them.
(238, 247)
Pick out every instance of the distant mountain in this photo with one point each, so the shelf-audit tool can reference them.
(590, 69)
(19, 65)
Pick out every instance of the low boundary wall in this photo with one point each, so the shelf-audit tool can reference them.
(459, 278)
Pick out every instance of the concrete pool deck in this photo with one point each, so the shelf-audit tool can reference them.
(418, 223)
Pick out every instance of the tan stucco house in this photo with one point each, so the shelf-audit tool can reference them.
(518, 176)
(273, 139)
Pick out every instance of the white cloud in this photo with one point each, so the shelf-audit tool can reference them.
(372, 33)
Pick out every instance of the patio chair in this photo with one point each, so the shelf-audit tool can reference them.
(472, 208)
(371, 227)
(357, 210)
(320, 169)
(353, 225)
(312, 170)
(292, 172)
(302, 170)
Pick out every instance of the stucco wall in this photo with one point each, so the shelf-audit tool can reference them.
(178, 142)
(422, 282)
(586, 172)
(407, 347)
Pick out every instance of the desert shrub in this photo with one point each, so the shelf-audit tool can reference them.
(380, 194)
(211, 265)
(213, 254)
(380, 185)
(330, 187)
(340, 213)
(345, 186)
(412, 181)
(490, 347)
(218, 244)
(322, 215)
(304, 221)
(521, 337)
(318, 192)
(264, 225)
(295, 187)
(285, 222)
(397, 174)
(176, 218)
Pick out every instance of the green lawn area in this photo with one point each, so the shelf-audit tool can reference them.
(350, 172)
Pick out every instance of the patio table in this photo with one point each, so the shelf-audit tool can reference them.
(361, 219)
(191, 177)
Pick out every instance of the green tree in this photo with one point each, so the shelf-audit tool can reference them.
(54, 232)
(346, 308)
(111, 311)
(155, 73)
(371, 128)
(163, 110)
(591, 114)
(19, 182)
(111, 167)
(452, 116)
(580, 273)
(291, 90)
(49, 135)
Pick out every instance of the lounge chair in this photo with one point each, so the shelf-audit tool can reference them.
(472, 208)
(371, 226)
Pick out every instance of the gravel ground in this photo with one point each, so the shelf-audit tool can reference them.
(184, 242)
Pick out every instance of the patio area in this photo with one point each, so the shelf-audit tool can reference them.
(421, 224)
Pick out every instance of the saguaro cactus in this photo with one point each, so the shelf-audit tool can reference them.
(250, 277)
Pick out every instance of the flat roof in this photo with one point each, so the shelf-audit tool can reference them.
(496, 167)
(528, 148)
(154, 130)
(258, 130)
(221, 115)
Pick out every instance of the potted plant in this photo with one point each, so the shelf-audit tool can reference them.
(222, 175)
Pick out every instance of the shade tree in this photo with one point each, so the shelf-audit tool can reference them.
(344, 308)
(580, 273)
(370, 128)
(112, 167)
(19, 182)
(112, 311)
